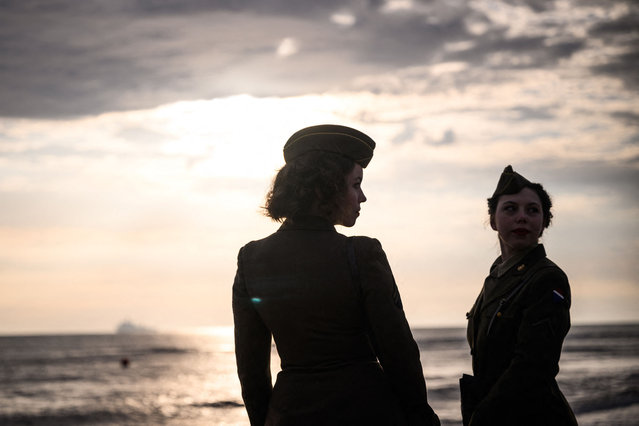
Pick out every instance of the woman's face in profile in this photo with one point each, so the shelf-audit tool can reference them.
(353, 197)
(518, 220)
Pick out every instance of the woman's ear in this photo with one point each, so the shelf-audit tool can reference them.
(546, 223)
(492, 222)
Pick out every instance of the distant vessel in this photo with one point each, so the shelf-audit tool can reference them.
(127, 327)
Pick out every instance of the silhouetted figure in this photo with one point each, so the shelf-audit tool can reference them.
(518, 324)
(124, 362)
(330, 302)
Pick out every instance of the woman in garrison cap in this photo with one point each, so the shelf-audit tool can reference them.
(330, 302)
(517, 325)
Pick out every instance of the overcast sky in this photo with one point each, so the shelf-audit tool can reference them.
(138, 139)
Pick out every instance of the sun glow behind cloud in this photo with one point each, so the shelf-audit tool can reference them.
(163, 198)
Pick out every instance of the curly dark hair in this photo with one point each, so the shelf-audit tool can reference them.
(315, 178)
(546, 203)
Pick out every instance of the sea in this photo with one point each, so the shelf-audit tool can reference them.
(190, 379)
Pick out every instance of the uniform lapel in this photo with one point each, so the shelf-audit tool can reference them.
(497, 286)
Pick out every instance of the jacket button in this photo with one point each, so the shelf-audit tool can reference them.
(498, 314)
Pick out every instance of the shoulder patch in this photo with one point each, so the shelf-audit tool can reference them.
(557, 296)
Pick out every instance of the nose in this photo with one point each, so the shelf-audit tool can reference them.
(362, 197)
(521, 217)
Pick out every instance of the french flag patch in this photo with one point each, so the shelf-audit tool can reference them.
(557, 297)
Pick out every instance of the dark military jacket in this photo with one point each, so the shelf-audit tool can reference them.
(347, 353)
(516, 329)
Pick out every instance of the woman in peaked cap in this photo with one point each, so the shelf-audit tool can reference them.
(330, 302)
(517, 326)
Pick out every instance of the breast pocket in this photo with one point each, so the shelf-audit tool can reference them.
(504, 322)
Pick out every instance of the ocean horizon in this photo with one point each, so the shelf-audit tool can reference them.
(190, 379)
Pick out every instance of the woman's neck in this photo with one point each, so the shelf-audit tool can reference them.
(508, 253)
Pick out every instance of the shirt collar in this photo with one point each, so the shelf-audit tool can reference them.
(499, 268)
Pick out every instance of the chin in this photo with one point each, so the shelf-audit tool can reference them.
(347, 223)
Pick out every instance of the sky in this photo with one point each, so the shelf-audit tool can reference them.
(138, 139)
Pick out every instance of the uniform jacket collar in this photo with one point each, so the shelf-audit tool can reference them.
(520, 266)
(307, 223)
(511, 277)
(499, 268)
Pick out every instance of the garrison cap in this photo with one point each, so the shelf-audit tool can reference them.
(342, 140)
(510, 182)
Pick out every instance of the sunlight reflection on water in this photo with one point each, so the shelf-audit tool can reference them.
(192, 379)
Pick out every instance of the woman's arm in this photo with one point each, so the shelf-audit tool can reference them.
(394, 343)
(252, 351)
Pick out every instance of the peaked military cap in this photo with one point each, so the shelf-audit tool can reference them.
(331, 138)
(510, 182)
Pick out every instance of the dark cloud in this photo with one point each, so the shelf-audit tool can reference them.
(627, 117)
(181, 7)
(61, 58)
(624, 25)
(408, 132)
(623, 33)
(518, 53)
(407, 40)
(624, 67)
(633, 140)
(527, 113)
(593, 177)
(269, 7)
(535, 5)
(412, 131)
(448, 138)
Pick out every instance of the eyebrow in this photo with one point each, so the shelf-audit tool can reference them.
(532, 203)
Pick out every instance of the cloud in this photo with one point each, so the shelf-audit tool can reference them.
(527, 113)
(344, 19)
(143, 133)
(99, 56)
(287, 47)
(165, 197)
(629, 117)
(624, 67)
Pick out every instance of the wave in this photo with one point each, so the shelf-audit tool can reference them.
(218, 404)
(110, 355)
(37, 377)
(168, 350)
(116, 415)
(620, 399)
(603, 332)
(66, 418)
